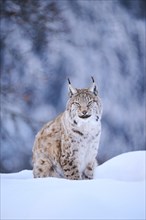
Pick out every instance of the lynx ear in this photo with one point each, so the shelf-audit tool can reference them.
(71, 90)
(93, 88)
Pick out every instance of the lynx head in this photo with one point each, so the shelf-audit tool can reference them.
(84, 104)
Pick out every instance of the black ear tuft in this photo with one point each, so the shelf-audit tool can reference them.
(69, 81)
(93, 88)
(71, 90)
(92, 79)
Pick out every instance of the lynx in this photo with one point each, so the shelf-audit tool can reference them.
(67, 146)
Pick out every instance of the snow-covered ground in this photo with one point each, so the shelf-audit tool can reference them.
(117, 192)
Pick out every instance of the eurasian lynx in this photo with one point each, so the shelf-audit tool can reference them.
(67, 146)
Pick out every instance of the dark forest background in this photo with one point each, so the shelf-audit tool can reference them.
(43, 42)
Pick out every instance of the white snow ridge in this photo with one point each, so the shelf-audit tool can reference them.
(117, 192)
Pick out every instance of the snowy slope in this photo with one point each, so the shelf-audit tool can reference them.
(117, 192)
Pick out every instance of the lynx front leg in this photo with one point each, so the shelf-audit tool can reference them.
(89, 171)
(70, 168)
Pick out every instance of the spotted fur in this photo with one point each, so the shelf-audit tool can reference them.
(67, 146)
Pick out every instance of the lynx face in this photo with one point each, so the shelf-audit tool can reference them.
(84, 104)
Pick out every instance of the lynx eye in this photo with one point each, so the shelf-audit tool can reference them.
(76, 103)
(89, 104)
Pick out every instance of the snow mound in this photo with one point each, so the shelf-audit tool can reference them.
(125, 167)
(117, 192)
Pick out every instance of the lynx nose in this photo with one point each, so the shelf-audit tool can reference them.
(84, 112)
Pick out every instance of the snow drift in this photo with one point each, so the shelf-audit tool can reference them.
(117, 192)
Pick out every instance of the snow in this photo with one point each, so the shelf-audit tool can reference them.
(116, 192)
